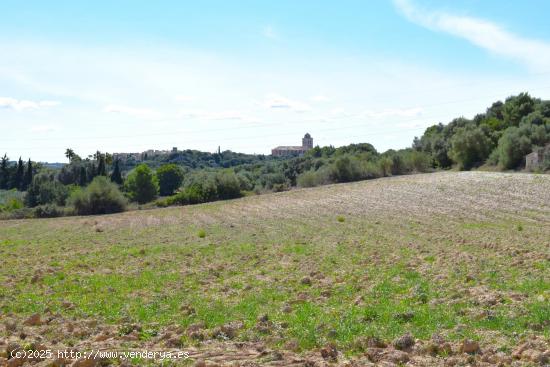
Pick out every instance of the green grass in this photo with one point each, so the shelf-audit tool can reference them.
(372, 274)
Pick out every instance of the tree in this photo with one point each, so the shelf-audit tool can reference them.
(19, 175)
(4, 173)
(101, 169)
(27, 179)
(512, 147)
(82, 177)
(170, 177)
(470, 147)
(142, 185)
(71, 155)
(100, 197)
(116, 176)
(45, 189)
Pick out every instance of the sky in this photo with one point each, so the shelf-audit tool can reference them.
(128, 75)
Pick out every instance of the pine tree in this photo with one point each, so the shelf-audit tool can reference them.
(116, 176)
(19, 175)
(4, 173)
(28, 175)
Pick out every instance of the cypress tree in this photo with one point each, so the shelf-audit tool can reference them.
(28, 175)
(4, 173)
(101, 171)
(116, 176)
(82, 177)
(19, 175)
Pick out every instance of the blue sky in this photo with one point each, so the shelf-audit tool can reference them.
(125, 76)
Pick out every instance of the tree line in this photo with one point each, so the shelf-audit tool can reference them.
(101, 183)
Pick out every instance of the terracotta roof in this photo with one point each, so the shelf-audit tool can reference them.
(289, 148)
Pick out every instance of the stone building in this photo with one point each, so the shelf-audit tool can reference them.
(538, 159)
(307, 144)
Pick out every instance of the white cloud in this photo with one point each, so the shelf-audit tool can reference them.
(143, 113)
(276, 102)
(482, 33)
(21, 104)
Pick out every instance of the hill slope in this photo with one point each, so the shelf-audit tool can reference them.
(273, 278)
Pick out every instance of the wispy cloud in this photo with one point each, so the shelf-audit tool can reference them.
(21, 104)
(278, 102)
(483, 33)
(143, 113)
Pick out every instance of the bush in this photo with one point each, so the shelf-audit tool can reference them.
(142, 185)
(48, 211)
(101, 196)
(470, 147)
(45, 189)
(227, 185)
(308, 179)
(512, 147)
(170, 178)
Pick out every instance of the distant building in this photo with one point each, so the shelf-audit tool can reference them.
(538, 158)
(307, 144)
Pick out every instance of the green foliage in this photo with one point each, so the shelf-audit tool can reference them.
(202, 233)
(142, 185)
(512, 147)
(116, 175)
(48, 211)
(170, 177)
(503, 135)
(45, 189)
(101, 196)
(470, 147)
(203, 187)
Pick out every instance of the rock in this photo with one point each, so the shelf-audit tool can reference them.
(469, 346)
(287, 309)
(200, 363)
(329, 353)
(374, 354)
(34, 320)
(263, 318)
(10, 325)
(397, 356)
(306, 281)
(404, 342)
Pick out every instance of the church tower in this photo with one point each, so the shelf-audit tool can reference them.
(307, 142)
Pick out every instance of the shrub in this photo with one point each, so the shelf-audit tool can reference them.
(308, 179)
(11, 205)
(45, 189)
(101, 196)
(227, 185)
(142, 185)
(170, 178)
(470, 147)
(202, 233)
(48, 211)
